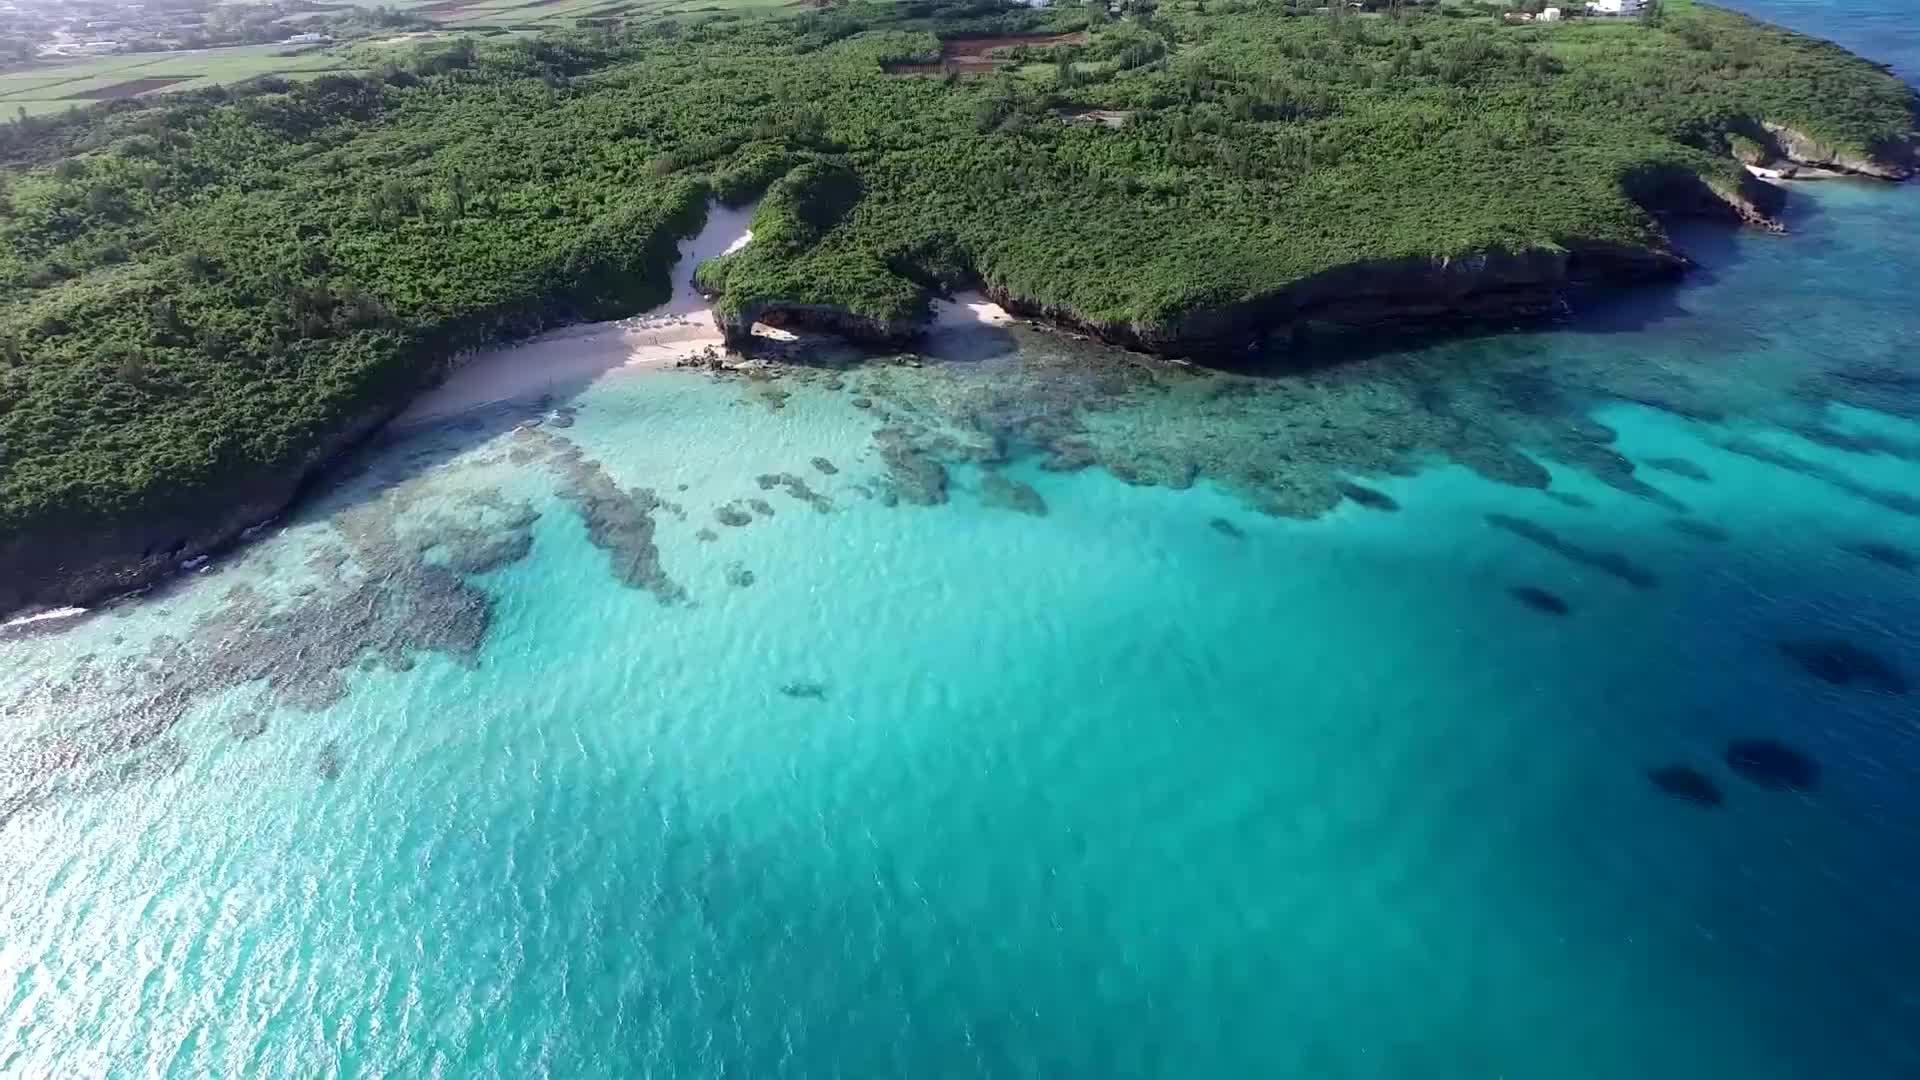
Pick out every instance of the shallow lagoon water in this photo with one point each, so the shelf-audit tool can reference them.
(1187, 776)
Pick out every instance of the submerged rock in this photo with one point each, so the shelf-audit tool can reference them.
(1367, 497)
(706, 536)
(1843, 663)
(1680, 467)
(328, 763)
(619, 521)
(1884, 554)
(247, 723)
(915, 475)
(761, 507)
(739, 576)
(796, 487)
(1898, 501)
(826, 467)
(1226, 528)
(1007, 494)
(1702, 530)
(809, 690)
(1607, 561)
(1568, 498)
(731, 515)
(1773, 765)
(1687, 784)
(1539, 599)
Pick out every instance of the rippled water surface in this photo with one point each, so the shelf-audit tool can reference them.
(1540, 705)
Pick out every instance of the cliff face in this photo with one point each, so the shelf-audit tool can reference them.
(70, 568)
(737, 326)
(1489, 286)
(1897, 161)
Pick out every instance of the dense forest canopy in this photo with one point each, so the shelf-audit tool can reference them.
(202, 286)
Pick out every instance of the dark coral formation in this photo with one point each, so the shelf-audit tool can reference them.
(1366, 496)
(912, 472)
(1568, 498)
(1226, 528)
(248, 723)
(1885, 554)
(1539, 600)
(1006, 493)
(386, 593)
(1898, 501)
(1681, 467)
(796, 487)
(733, 516)
(1773, 765)
(761, 507)
(1687, 784)
(1610, 562)
(619, 521)
(827, 468)
(1699, 530)
(739, 576)
(1296, 444)
(812, 691)
(706, 536)
(327, 763)
(1844, 663)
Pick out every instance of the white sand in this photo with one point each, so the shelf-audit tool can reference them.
(968, 309)
(564, 361)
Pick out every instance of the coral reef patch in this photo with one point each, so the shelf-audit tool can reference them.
(1540, 600)
(1006, 493)
(1771, 764)
(1844, 663)
(1686, 784)
(1609, 562)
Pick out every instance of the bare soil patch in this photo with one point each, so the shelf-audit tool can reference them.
(130, 87)
(978, 55)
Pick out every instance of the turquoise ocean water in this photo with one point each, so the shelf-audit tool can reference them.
(1033, 710)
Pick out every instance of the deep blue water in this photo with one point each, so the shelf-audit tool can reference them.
(1196, 728)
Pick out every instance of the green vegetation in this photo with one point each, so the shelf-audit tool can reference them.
(197, 288)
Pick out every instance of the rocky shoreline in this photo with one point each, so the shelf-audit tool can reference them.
(55, 570)
(77, 568)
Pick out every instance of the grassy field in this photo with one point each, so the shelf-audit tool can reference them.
(52, 87)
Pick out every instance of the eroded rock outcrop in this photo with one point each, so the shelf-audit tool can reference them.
(1897, 161)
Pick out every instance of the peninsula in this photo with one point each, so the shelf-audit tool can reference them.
(205, 296)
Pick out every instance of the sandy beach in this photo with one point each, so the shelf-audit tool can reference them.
(564, 360)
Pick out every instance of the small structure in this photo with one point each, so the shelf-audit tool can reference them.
(308, 39)
(1615, 7)
(1552, 14)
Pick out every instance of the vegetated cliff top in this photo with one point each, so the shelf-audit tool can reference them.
(201, 287)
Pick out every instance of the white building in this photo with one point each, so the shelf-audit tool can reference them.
(1615, 7)
(307, 39)
(1551, 14)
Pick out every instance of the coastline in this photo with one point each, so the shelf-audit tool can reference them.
(683, 328)
(1487, 288)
